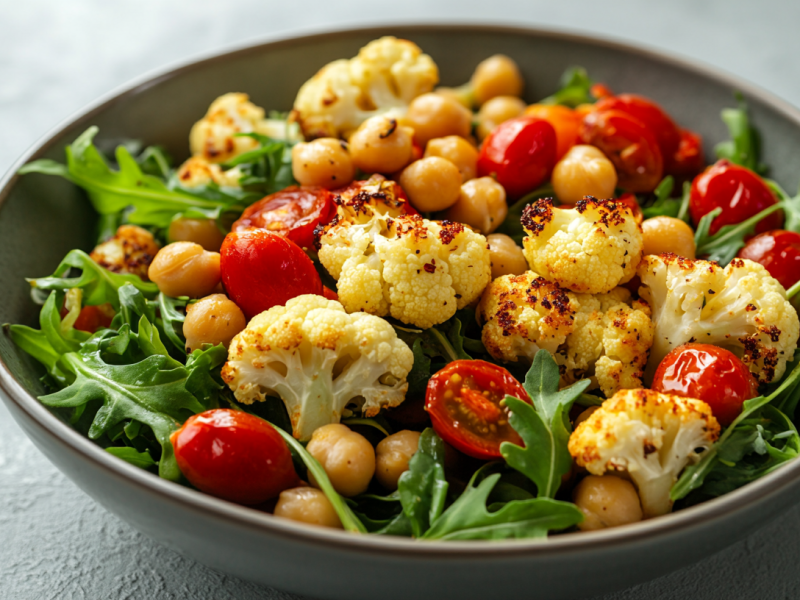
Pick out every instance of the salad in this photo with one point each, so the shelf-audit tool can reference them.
(441, 313)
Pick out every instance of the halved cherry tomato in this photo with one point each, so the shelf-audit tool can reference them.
(712, 374)
(628, 144)
(464, 401)
(738, 191)
(631, 202)
(779, 252)
(92, 318)
(293, 213)
(520, 153)
(234, 455)
(261, 270)
(565, 121)
(688, 159)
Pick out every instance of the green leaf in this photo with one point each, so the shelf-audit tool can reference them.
(420, 373)
(266, 169)
(172, 320)
(143, 460)
(790, 205)
(544, 427)
(468, 518)
(671, 207)
(35, 343)
(575, 89)
(744, 147)
(726, 243)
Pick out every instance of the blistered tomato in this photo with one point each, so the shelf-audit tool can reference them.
(688, 159)
(565, 121)
(779, 252)
(738, 191)
(520, 153)
(262, 269)
(234, 455)
(710, 373)
(465, 404)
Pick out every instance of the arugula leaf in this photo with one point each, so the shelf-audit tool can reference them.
(790, 205)
(143, 460)
(172, 320)
(35, 343)
(422, 488)
(575, 89)
(153, 202)
(469, 519)
(544, 427)
(266, 169)
(420, 373)
(744, 147)
(512, 225)
(726, 243)
(666, 206)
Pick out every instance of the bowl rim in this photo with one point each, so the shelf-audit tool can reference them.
(257, 521)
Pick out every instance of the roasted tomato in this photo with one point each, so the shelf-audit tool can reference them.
(465, 403)
(688, 159)
(629, 144)
(293, 213)
(262, 269)
(738, 191)
(520, 153)
(234, 455)
(631, 202)
(92, 318)
(712, 374)
(779, 252)
(565, 121)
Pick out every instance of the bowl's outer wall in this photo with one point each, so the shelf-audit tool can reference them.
(44, 217)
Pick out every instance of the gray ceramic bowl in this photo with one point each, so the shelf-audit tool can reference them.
(41, 218)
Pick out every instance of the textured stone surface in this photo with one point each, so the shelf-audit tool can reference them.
(55, 57)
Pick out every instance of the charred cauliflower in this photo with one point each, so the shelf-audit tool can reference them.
(649, 435)
(383, 79)
(605, 337)
(740, 307)
(131, 250)
(213, 137)
(318, 359)
(591, 248)
(198, 172)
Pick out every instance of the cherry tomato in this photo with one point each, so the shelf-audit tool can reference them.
(464, 403)
(631, 202)
(779, 252)
(712, 374)
(92, 318)
(565, 121)
(688, 160)
(261, 270)
(630, 145)
(738, 191)
(652, 116)
(329, 293)
(600, 91)
(234, 455)
(293, 212)
(520, 153)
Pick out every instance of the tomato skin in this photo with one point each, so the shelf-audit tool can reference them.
(628, 144)
(565, 121)
(329, 293)
(779, 251)
(688, 159)
(738, 191)
(631, 202)
(261, 270)
(459, 434)
(92, 318)
(710, 373)
(520, 153)
(293, 212)
(234, 455)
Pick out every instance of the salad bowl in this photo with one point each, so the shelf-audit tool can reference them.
(314, 561)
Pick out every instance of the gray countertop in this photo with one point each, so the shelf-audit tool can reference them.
(55, 542)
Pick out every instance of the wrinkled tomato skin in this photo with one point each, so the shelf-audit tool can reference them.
(779, 251)
(652, 116)
(738, 191)
(293, 213)
(234, 455)
(710, 373)
(459, 435)
(688, 159)
(628, 144)
(520, 153)
(261, 270)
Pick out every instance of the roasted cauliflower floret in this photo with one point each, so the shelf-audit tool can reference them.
(319, 360)
(591, 248)
(604, 337)
(740, 307)
(383, 79)
(213, 137)
(131, 250)
(649, 435)
(198, 172)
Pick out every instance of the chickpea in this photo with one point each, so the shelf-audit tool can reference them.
(607, 501)
(347, 457)
(381, 145)
(496, 111)
(200, 231)
(458, 151)
(584, 415)
(667, 234)
(185, 269)
(307, 505)
(213, 320)
(584, 171)
(393, 454)
(434, 116)
(507, 257)
(324, 162)
(498, 75)
(481, 205)
(431, 183)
